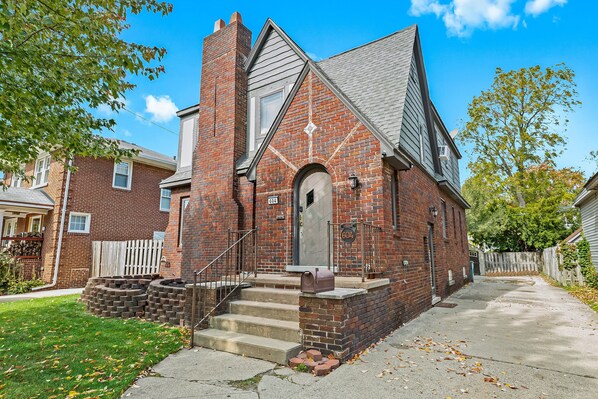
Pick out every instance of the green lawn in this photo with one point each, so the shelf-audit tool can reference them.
(52, 348)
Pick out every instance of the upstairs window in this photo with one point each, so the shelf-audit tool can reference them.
(42, 171)
(165, 195)
(15, 181)
(269, 107)
(122, 175)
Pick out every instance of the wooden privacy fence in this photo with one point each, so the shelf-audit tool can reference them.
(118, 258)
(510, 263)
(552, 261)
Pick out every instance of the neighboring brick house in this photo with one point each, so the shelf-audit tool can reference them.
(104, 201)
(287, 145)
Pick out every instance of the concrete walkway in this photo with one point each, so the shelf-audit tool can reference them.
(506, 338)
(40, 294)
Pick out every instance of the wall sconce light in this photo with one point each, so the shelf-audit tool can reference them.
(433, 211)
(353, 181)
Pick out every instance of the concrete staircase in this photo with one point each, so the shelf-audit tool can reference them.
(263, 324)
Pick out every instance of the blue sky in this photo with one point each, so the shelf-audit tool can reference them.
(463, 42)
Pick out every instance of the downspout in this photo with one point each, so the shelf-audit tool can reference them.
(61, 231)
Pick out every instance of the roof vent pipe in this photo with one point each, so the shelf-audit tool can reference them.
(219, 24)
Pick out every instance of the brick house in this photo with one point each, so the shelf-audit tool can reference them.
(100, 201)
(314, 155)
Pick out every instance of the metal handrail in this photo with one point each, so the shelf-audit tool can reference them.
(236, 259)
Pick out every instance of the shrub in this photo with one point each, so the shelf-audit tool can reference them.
(11, 281)
(584, 258)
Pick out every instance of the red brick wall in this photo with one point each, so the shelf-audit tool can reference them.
(341, 144)
(115, 214)
(215, 206)
(289, 152)
(172, 251)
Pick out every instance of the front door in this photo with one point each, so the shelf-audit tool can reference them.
(315, 211)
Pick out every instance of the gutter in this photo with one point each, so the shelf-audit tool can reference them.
(61, 231)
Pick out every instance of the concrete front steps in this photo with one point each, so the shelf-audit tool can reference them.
(263, 324)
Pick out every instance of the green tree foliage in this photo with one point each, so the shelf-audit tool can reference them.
(520, 201)
(513, 125)
(60, 59)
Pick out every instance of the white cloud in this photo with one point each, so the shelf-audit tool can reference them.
(162, 108)
(462, 17)
(537, 7)
(127, 133)
(314, 57)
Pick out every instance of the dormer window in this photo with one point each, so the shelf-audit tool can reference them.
(269, 107)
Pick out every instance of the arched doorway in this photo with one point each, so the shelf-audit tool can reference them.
(313, 211)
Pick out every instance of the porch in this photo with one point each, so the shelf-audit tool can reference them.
(22, 214)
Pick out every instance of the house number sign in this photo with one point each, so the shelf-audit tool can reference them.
(273, 200)
(348, 232)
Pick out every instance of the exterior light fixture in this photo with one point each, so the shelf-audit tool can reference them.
(434, 211)
(353, 181)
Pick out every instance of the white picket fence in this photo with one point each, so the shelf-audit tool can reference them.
(552, 259)
(510, 263)
(118, 258)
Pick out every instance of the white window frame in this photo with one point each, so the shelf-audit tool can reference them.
(162, 196)
(183, 205)
(262, 132)
(30, 226)
(87, 222)
(44, 172)
(15, 181)
(130, 177)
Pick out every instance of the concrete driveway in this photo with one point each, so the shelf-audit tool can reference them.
(508, 337)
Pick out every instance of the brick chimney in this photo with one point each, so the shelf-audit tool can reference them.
(213, 206)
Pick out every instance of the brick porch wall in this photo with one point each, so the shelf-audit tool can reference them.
(172, 251)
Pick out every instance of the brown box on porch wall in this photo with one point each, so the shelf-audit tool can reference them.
(317, 281)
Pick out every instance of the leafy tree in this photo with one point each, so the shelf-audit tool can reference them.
(513, 125)
(60, 59)
(496, 220)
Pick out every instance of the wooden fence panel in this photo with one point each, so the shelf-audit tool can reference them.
(117, 258)
(552, 261)
(510, 263)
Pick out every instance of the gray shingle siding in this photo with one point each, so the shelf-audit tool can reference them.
(589, 223)
(413, 117)
(276, 62)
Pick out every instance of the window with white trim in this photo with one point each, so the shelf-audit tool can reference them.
(35, 224)
(15, 180)
(165, 196)
(269, 107)
(79, 222)
(42, 171)
(122, 175)
(184, 205)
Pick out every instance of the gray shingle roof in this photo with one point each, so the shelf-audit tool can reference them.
(25, 196)
(147, 153)
(180, 177)
(374, 77)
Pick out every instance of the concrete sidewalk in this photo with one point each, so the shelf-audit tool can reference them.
(40, 294)
(509, 337)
